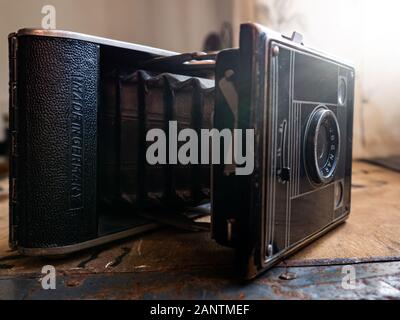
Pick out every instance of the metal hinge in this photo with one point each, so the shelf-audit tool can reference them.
(14, 144)
(13, 238)
(13, 127)
(13, 48)
(13, 223)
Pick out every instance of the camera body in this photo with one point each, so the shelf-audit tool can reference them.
(78, 171)
(300, 104)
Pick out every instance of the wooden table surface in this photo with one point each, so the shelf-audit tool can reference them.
(162, 259)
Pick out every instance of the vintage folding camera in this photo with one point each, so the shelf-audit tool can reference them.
(80, 107)
(300, 104)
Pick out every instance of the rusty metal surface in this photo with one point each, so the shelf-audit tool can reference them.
(373, 281)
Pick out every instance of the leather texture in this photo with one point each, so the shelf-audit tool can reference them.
(56, 126)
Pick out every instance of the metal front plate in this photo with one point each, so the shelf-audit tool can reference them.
(296, 210)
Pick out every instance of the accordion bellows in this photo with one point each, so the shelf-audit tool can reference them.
(134, 104)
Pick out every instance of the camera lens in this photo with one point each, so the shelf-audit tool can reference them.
(322, 145)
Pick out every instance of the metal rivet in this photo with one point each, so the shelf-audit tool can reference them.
(229, 232)
(275, 51)
(270, 250)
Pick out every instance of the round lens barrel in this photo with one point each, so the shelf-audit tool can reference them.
(322, 145)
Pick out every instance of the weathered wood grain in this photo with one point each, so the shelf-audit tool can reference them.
(371, 233)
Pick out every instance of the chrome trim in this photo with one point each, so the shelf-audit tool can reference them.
(55, 251)
(94, 39)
